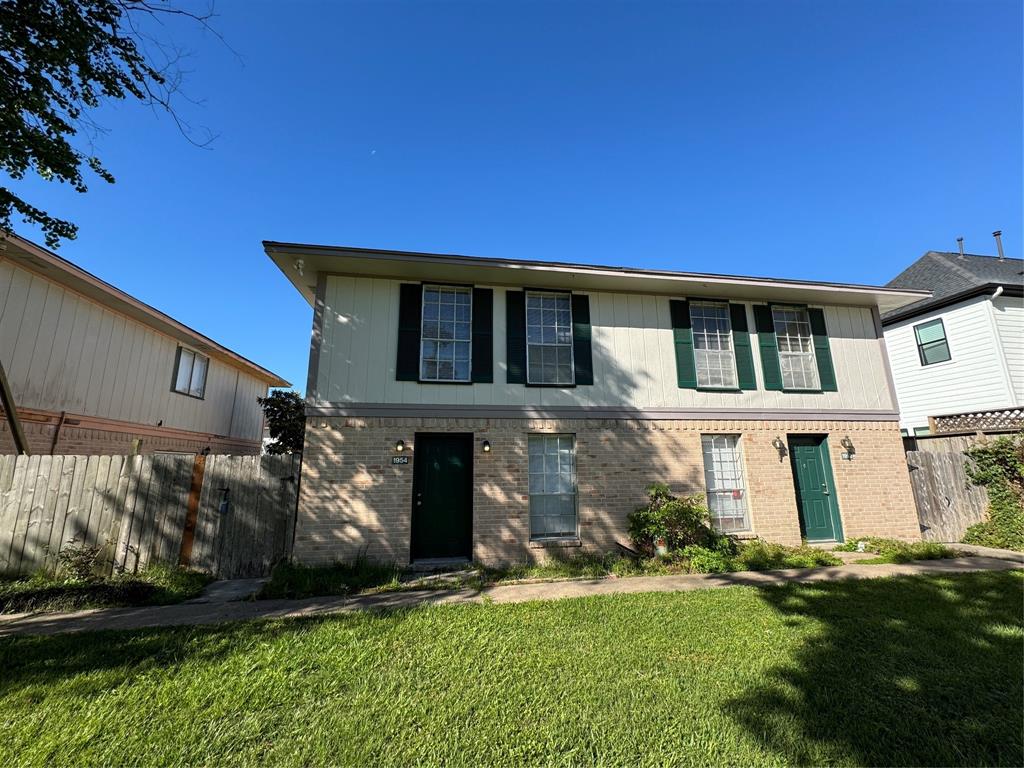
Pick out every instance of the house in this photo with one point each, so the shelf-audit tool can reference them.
(958, 356)
(93, 370)
(500, 410)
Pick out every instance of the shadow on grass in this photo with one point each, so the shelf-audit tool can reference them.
(904, 671)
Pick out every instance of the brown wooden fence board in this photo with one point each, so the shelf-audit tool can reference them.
(135, 509)
(946, 503)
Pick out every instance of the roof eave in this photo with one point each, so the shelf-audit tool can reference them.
(942, 302)
(301, 262)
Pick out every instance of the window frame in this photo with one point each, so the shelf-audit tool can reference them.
(724, 305)
(575, 535)
(177, 369)
(423, 309)
(781, 354)
(921, 345)
(738, 458)
(526, 324)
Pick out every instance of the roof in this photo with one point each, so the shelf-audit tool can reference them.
(301, 264)
(28, 255)
(952, 278)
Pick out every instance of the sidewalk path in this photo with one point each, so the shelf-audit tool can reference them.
(216, 613)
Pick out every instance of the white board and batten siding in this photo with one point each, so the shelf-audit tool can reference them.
(633, 358)
(63, 352)
(977, 375)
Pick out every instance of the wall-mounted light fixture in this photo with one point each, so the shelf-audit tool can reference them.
(847, 444)
(779, 446)
(486, 446)
(299, 266)
(400, 446)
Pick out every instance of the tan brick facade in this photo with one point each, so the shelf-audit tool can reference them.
(354, 501)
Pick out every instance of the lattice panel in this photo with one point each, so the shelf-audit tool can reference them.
(1006, 419)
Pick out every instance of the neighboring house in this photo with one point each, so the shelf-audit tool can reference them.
(958, 357)
(95, 371)
(490, 409)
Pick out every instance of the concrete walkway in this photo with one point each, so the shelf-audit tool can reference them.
(216, 613)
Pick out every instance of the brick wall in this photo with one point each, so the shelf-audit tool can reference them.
(353, 500)
(90, 441)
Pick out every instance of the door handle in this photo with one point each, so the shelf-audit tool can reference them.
(824, 489)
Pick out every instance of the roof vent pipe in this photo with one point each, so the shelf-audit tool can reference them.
(960, 242)
(998, 235)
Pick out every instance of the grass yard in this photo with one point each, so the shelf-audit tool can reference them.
(918, 671)
(155, 585)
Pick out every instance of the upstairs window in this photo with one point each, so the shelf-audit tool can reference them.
(796, 348)
(549, 338)
(712, 345)
(723, 478)
(190, 373)
(932, 346)
(446, 333)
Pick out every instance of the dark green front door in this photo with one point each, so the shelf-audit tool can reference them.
(442, 496)
(815, 488)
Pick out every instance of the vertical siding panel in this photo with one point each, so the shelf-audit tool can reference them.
(56, 375)
(13, 313)
(20, 362)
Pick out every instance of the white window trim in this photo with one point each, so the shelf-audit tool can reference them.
(779, 352)
(572, 358)
(423, 309)
(741, 463)
(732, 345)
(177, 367)
(575, 492)
(920, 347)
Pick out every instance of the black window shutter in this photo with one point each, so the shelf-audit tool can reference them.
(483, 335)
(822, 350)
(686, 366)
(768, 347)
(741, 346)
(515, 337)
(582, 355)
(410, 308)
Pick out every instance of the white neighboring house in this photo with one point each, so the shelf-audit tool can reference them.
(957, 358)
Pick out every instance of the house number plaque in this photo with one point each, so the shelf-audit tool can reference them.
(399, 459)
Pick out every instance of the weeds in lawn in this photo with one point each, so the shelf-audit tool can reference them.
(893, 551)
(154, 585)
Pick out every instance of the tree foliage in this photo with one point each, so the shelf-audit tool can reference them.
(286, 419)
(59, 60)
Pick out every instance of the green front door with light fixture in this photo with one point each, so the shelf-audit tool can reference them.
(815, 488)
(442, 497)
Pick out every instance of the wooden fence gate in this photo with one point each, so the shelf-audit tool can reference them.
(231, 516)
(947, 504)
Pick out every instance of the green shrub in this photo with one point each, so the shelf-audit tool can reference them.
(998, 466)
(707, 559)
(679, 522)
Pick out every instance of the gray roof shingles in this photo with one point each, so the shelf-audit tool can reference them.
(947, 274)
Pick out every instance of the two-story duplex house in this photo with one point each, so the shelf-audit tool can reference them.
(93, 370)
(958, 356)
(491, 409)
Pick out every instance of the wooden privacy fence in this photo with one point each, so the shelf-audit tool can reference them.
(231, 516)
(947, 504)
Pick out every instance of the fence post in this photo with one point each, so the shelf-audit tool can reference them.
(192, 515)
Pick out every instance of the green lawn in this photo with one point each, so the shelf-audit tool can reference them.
(922, 671)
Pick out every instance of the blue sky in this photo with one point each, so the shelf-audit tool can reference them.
(821, 140)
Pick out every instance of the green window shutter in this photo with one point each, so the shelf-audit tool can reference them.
(410, 309)
(745, 377)
(483, 336)
(768, 347)
(515, 337)
(582, 354)
(822, 350)
(682, 333)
